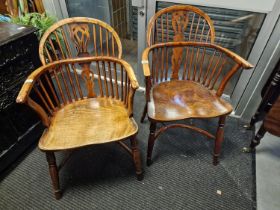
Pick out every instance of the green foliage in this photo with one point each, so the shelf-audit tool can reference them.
(40, 21)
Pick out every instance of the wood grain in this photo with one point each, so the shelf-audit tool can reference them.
(177, 100)
(87, 122)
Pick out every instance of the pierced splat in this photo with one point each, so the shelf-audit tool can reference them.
(80, 35)
(88, 77)
(180, 21)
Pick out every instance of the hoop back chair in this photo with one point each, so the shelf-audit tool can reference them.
(79, 37)
(185, 80)
(94, 106)
(179, 23)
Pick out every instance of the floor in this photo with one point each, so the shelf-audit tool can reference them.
(181, 177)
(268, 173)
(130, 53)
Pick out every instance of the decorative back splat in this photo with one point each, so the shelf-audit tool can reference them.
(88, 36)
(80, 36)
(185, 22)
(88, 77)
(180, 21)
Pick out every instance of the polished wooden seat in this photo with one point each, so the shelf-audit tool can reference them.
(186, 80)
(183, 99)
(83, 102)
(79, 117)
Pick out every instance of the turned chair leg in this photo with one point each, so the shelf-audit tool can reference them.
(54, 174)
(144, 113)
(151, 143)
(254, 119)
(219, 140)
(256, 140)
(136, 158)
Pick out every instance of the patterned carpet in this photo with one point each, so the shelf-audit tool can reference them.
(102, 177)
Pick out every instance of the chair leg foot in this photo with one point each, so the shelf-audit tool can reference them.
(53, 170)
(151, 143)
(149, 162)
(144, 113)
(215, 160)
(140, 177)
(136, 158)
(57, 195)
(219, 140)
(255, 141)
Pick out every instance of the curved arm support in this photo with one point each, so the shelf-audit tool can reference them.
(39, 110)
(145, 56)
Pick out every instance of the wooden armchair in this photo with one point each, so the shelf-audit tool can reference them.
(179, 23)
(79, 37)
(185, 80)
(82, 102)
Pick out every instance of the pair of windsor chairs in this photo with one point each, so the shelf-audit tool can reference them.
(85, 96)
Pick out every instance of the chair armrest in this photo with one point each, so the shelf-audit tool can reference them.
(23, 96)
(28, 84)
(145, 61)
(130, 72)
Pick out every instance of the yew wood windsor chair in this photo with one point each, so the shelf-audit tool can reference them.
(79, 37)
(179, 23)
(185, 80)
(78, 113)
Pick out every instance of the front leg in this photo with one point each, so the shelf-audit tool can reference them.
(151, 142)
(136, 158)
(219, 140)
(54, 174)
